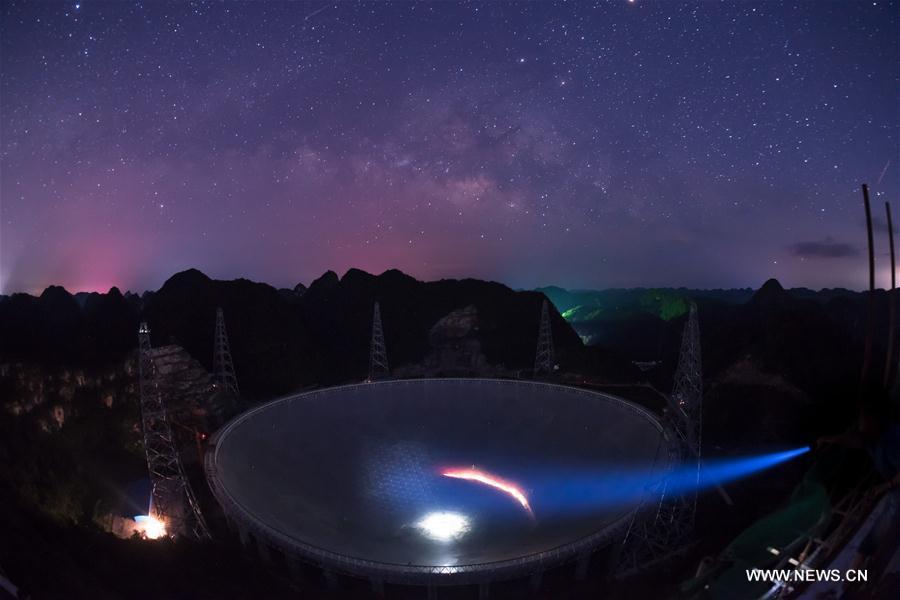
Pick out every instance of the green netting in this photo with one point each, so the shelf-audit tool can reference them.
(806, 510)
(787, 530)
(732, 584)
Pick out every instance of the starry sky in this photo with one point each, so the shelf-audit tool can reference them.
(588, 145)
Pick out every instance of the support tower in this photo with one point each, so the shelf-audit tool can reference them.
(686, 402)
(663, 524)
(172, 500)
(378, 361)
(543, 358)
(223, 367)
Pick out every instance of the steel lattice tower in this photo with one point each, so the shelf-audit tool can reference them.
(686, 403)
(543, 358)
(172, 500)
(378, 361)
(223, 367)
(664, 523)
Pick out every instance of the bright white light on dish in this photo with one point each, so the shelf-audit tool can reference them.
(443, 526)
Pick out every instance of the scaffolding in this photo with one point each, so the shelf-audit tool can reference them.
(664, 523)
(172, 500)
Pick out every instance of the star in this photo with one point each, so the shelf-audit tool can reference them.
(312, 129)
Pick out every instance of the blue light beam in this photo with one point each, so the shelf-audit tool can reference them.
(610, 487)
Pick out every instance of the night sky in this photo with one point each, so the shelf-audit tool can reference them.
(585, 145)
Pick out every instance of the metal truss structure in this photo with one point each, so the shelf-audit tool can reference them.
(223, 367)
(543, 358)
(378, 360)
(664, 523)
(172, 500)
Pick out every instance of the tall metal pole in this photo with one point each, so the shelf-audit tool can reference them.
(870, 319)
(892, 320)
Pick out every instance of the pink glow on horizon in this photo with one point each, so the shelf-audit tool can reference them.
(473, 474)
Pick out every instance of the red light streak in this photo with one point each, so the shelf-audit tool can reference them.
(492, 480)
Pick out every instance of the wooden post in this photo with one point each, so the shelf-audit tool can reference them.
(892, 321)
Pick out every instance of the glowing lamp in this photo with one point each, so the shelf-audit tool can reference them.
(150, 527)
(443, 526)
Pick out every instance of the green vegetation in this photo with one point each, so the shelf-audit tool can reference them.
(583, 313)
(665, 304)
(64, 471)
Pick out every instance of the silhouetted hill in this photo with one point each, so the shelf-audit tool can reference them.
(271, 347)
(54, 328)
(770, 352)
(771, 296)
(285, 339)
(280, 339)
(611, 300)
(339, 312)
(780, 366)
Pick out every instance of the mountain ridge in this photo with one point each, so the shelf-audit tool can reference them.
(280, 338)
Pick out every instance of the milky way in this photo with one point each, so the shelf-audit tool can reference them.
(586, 145)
